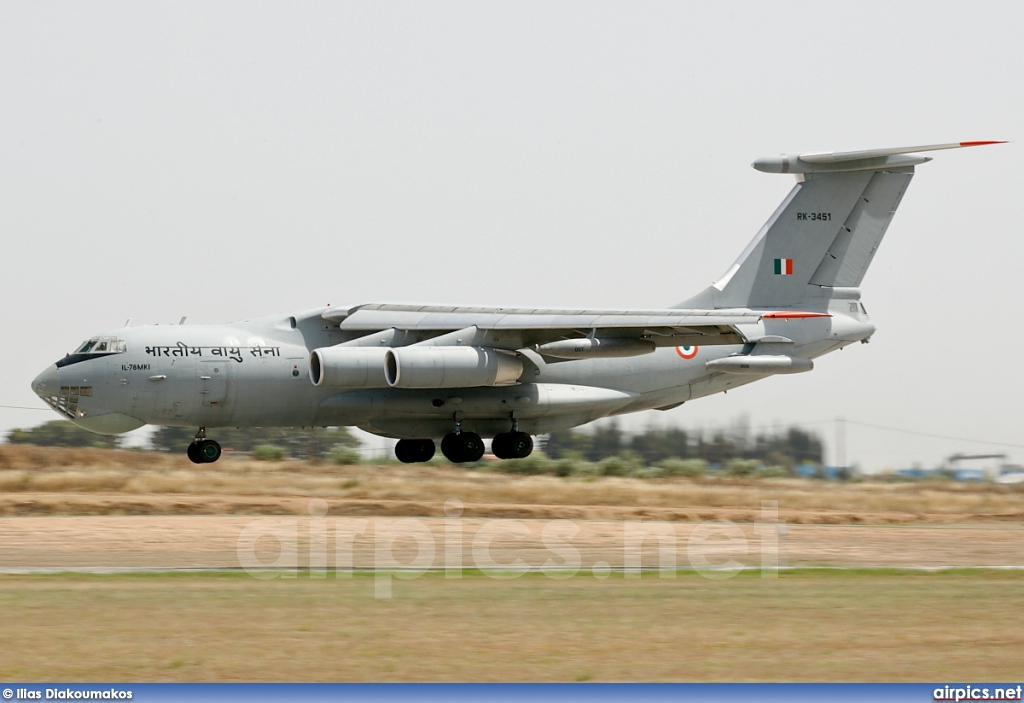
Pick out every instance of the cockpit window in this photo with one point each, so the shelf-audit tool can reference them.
(101, 345)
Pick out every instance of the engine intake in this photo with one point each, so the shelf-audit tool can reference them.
(348, 367)
(450, 367)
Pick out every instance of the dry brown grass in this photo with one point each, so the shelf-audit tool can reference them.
(425, 487)
(799, 627)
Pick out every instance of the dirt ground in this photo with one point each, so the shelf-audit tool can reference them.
(801, 626)
(231, 542)
(63, 508)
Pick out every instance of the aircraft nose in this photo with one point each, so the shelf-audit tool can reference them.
(46, 384)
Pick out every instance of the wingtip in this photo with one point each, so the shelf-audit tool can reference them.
(984, 142)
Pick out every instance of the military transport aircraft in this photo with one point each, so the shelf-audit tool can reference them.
(461, 373)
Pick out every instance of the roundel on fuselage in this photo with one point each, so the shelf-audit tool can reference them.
(687, 352)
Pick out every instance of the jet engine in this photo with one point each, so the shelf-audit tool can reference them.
(348, 367)
(450, 367)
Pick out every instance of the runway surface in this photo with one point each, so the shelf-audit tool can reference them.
(154, 543)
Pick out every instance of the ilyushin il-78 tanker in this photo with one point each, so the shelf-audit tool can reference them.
(460, 374)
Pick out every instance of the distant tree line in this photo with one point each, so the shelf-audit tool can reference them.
(62, 433)
(786, 449)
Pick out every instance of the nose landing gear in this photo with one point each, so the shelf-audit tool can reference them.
(203, 450)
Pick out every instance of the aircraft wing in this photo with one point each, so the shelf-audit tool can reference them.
(514, 328)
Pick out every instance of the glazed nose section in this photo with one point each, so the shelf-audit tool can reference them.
(47, 384)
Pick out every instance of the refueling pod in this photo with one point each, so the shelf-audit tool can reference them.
(760, 364)
(596, 348)
(450, 367)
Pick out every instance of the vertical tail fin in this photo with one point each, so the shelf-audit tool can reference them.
(825, 233)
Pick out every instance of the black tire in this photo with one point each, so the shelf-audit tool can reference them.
(520, 445)
(472, 446)
(414, 451)
(462, 447)
(209, 451)
(193, 453)
(405, 451)
(501, 445)
(449, 448)
(425, 450)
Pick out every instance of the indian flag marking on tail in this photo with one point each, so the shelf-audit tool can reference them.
(783, 267)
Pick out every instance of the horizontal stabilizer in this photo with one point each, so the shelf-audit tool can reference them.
(864, 160)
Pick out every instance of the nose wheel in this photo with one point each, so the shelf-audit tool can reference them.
(202, 450)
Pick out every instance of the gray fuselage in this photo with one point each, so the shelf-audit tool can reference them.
(255, 373)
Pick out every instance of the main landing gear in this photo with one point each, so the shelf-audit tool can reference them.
(512, 445)
(459, 447)
(414, 451)
(203, 450)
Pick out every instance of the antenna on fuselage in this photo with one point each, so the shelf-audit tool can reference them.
(182, 320)
(128, 322)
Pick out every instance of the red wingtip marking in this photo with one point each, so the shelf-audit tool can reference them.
(983, 143)
(793, 315)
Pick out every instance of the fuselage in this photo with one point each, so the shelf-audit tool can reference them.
(255, 373)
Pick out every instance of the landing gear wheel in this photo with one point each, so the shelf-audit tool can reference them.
(512, 445)
(203, 451)
(448, 447)
(500, 445)
(462, 447)
(209, 451)
(521, 444)
(414, 451)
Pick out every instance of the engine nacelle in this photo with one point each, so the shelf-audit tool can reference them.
(348, 367)
(761, 364)
(450, 367)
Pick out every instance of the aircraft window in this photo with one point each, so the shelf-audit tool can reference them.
(102, 345)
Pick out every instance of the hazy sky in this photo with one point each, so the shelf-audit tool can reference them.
(232, 159)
